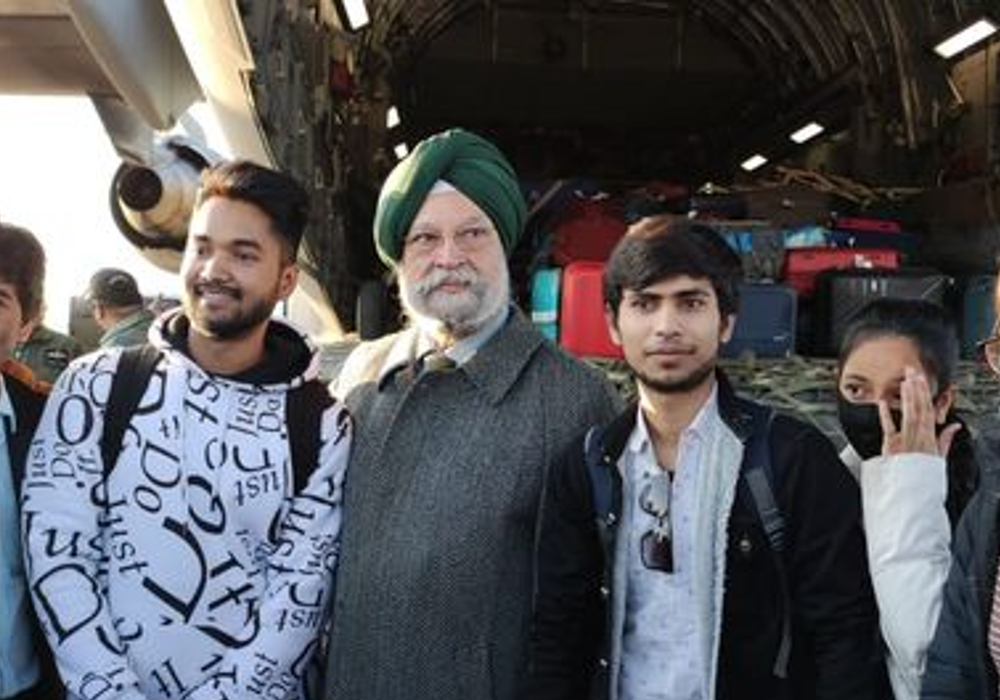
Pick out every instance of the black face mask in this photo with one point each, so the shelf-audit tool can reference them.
(862, 426)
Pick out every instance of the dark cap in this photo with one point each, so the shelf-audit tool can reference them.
(115, 288)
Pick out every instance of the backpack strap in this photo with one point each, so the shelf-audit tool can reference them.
(306, 405)
(128, 385)
(758, 474)
(757, 480)
(600, 475)
(136, 365)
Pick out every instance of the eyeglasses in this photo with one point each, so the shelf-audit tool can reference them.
(989, 350)
(656, 545)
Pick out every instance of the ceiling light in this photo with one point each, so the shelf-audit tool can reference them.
(392, 118)
(753, 162)
(963, 39)
(355, 12)
(807, 132)
(401, 150)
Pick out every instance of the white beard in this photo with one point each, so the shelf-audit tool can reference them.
(455, 315)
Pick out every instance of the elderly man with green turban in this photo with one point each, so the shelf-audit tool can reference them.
(457, 418)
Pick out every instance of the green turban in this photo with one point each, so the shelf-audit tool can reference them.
(469, 163)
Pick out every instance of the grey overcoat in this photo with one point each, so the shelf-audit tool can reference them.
(434, 584)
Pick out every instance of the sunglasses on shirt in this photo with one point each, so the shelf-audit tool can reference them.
(656, 546)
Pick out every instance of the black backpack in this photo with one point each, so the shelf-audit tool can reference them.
(755, 487)
(306, 404)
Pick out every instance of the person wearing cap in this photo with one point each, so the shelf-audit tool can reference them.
(458, 417)
(119, 308)
(197, 562)
(26, 670)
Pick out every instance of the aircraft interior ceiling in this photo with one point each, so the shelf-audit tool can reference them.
(638, 87)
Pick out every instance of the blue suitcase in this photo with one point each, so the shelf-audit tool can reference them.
(978, 316)
(545, 301)
(765, 324)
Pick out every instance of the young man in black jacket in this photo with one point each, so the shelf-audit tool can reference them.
(26, 671)
(677, 578)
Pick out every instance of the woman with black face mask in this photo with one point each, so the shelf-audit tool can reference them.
(913, 458)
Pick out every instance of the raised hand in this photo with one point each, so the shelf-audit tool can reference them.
(917, 431)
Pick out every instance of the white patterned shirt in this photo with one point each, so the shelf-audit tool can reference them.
(661, 653)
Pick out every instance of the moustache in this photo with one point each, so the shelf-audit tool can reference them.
(204, 288)
(439, 278)
(669, 349)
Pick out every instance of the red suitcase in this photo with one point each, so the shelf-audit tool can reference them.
(582, 328)
(803, 264)
(859, 223)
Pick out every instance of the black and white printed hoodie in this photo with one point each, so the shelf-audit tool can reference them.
(194, 572)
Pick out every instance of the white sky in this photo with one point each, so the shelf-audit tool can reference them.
(56, 165)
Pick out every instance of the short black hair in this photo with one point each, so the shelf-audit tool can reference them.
(659, 247)
(277, 194)
(22, 265)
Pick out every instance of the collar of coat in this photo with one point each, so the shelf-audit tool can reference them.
(495, 367)
(732, 410)
(22, 374)
(28, 399)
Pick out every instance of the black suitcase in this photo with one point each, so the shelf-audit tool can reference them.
(765, 324)
(841, 293)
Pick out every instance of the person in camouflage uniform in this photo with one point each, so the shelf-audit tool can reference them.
(47, 352)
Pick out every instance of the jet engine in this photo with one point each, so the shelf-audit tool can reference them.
(151, 203)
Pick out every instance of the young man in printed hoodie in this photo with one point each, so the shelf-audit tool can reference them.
(194, 567)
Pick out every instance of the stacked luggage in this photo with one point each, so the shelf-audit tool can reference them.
(808, 270)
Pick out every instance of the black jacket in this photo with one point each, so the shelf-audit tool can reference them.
(835, 650)
(28, 403)
(958, 660)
